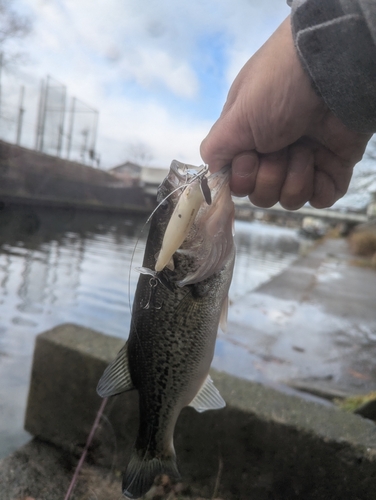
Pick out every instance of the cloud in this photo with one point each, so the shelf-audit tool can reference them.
(157, 67)
(167, 136)
(158, 73)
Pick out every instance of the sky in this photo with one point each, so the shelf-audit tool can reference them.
(158, 71)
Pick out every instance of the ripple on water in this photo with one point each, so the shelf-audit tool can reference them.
(77, 269)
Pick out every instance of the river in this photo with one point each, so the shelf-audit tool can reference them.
(63, 265)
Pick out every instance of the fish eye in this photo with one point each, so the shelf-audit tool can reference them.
(164, 205)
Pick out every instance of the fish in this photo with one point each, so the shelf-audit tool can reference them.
(176, 313)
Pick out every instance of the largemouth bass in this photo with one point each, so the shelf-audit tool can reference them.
(175, 317)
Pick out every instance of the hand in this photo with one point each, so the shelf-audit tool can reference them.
(283, 142)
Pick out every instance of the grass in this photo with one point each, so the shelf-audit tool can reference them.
(353, 403)
(363, 245)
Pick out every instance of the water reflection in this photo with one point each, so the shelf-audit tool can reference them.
(65, 265)
(262, 251)
(59, 266)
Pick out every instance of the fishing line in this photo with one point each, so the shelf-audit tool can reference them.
(187, 183)
(142, 230)
(139, 237)
(111, 427)
(104, 402)
(200, 174)
(85, 450)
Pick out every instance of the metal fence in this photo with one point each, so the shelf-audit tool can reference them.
(47, 119)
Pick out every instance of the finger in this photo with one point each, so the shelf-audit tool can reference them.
(324, 192)
(228, 137)
(298, 186)
(270, 178)
(244, 173)
(331, 179)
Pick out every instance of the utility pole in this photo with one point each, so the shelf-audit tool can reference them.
(61, 124)
(71, 124)
(41, 104)
(44, 114)
(21, 112)
(1, 74)
(85, 136)
(94, 136)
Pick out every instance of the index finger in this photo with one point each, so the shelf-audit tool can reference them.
(225, 140)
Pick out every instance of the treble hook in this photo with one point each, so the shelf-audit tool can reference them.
(153, 282)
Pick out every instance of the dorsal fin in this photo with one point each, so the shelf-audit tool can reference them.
(116, 377)
(208, 397)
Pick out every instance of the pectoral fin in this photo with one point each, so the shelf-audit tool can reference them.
(208, 397)
(116, 378)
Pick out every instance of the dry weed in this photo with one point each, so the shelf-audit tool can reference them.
(363, 243)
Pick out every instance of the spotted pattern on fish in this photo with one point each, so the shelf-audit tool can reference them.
(174, 324)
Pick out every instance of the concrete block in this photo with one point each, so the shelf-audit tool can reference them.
(264, 444)
(62, 403)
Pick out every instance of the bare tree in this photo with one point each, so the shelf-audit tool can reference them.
(139, 152)
(13, 26)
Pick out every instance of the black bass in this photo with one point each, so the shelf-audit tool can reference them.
(175, 317)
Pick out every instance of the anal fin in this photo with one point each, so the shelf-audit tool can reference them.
(116, 378)
(208, 397)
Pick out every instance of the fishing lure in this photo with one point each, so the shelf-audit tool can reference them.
(183, 217)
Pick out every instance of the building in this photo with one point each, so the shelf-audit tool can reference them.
(128, 172)
(151, 178)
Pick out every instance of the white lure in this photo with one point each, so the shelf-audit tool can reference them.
(180, 223)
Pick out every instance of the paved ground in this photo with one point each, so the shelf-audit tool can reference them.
(312, 327)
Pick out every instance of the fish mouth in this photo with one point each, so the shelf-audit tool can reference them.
(183, 173)
(197, 193)
(217, 180)
(210, 240)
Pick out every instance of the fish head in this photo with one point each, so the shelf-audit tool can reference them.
(179, 177)
(209, 244)
(195, 216)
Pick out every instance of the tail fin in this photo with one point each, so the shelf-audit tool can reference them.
(140, 474)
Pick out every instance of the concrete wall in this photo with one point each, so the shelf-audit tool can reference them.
(28, 176)
(264, 444)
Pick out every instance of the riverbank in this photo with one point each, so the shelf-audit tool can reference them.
(32, 178)
(312, 327)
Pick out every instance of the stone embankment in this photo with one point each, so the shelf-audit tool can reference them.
(30, 177)
(264, 444)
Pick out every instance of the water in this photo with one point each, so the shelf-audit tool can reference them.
(59, 266)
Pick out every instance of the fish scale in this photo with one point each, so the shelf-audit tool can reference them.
(174, 326)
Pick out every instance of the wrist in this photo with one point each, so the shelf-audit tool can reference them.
(336, 49)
